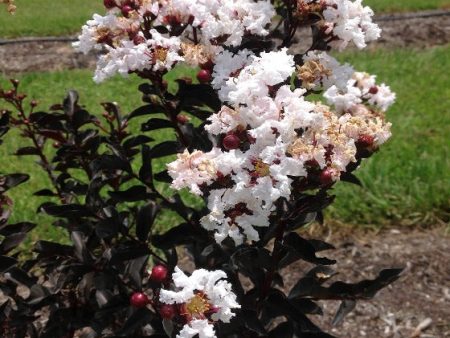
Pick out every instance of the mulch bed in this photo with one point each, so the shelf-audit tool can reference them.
(418, 30)
(416, 305)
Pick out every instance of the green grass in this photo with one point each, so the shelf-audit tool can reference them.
(406, 5)
(407, 181)
(50, 88)
(63, 17)
(48, 17)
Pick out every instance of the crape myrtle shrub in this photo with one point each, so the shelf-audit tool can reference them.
(263, 158)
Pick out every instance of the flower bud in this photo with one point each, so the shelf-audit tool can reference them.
(9, 94)
(139, 299)
(231, 142)
(167, 311)
(326, 176)
(15, 82)
(204, 76)
(182, 119)
(366, 140)
(126, 10)
(208, 65)
(373, 90)
(109, 4)
(159, 273)
(138, 39)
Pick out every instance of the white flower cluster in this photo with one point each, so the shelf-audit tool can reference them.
(344, 21)
(224, 20)
(203, 298)
(350, 21)
(344, 88)
(267, 135)
(360, 88)
(133, 46)
(321, 71)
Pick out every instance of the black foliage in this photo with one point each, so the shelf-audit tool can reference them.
(105, 195)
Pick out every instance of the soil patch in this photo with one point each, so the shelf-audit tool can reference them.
(415, 30)
(416, 305)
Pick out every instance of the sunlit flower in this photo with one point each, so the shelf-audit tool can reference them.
(203, 298)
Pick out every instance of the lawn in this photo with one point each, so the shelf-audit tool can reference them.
(406, 5)
(406, 182)
(64, 17)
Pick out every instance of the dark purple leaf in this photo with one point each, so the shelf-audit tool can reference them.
(156, 123)
(6, 263)
(344, 309)
(11, 242)
(146, 110)
(133, 194)
(11, 229)
(164, 149)
(27, 151)
(145, 219)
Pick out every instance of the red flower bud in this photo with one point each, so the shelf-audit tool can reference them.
(139, 299)
(366, 140)
(167, 311)
(204, 76)
(159, 273)
(182, 119)
(126, 10)
(326, 176)
(109, 4)
(137, 40)
(373, 90)
(208, 65)
(231, 142)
